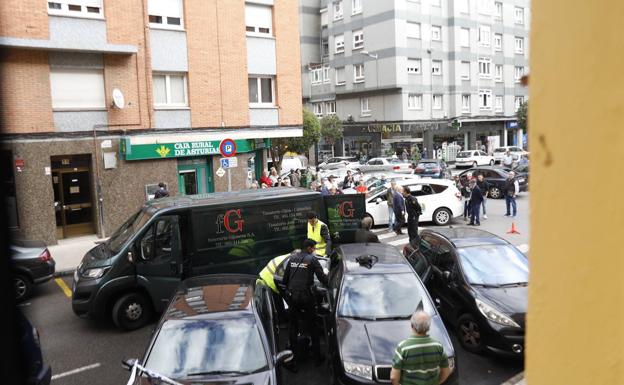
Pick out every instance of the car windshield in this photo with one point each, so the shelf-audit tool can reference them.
(464, 154)
(375, 296)
(131, 226)
(185, 348)
(493, 265)
(500, 150)
(427, 165)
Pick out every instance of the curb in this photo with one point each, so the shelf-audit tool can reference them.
(64, 273)
(518, 379)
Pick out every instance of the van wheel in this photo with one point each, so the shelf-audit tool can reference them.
(469, 334)
(132, 311)
(23, 286)
(442, 216)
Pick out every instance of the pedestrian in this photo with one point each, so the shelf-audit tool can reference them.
(390, 202)
(279, 183)
(162, 191)
(476, 197)
(361, 188)
(485, 190)
(419, 359)
(405, 155)
(507, 159)
(334, 191)
(254, 185)
(512, 188)
(298, 279)
(275, 268)
(398, 204)
(273, 175)
(413, 209)
(524, 160)
(319, 233)
(465, 192)
(264, 179)
(295, 178)
(348, 181)
(324, 186)
(423, 155)
(364, 233)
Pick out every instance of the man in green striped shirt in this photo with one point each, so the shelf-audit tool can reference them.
(419, 360)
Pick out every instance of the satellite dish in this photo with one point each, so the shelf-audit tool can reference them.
(118, 99)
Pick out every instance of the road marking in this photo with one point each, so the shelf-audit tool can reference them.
(401, 241)
(389, 235)
(76, 371)
(377, 231)
(63, 287)
(523, 247)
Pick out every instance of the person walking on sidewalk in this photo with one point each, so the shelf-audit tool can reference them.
(476, 198)
(413, 209)
(485, 189)
(398, 203)
(512, 188)
(390, 201)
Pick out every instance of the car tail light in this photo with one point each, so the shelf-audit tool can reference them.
(419, 169)
(396, 167)
(45, 256)
(435, 170)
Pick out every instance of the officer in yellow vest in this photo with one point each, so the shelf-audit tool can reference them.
(275, 268)
(319, 233)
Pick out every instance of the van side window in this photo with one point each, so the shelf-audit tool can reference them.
(158, 240)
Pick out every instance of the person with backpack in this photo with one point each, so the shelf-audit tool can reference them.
(413, 209)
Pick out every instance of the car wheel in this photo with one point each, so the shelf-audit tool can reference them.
(23, 287)
(492, 163)
(367, 215)
(131, 311)
(495, 193)
(469, 334)
(442, 216)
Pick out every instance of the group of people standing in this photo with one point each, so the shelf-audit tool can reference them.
(272, 179)
(401, 202)
(475, 192)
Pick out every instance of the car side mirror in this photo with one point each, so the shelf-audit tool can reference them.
(283, 357)
(378, 200)
(446, 274)
(128, 363)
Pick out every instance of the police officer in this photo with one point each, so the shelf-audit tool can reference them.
(298, 279)
(275, 268)
(319, 233)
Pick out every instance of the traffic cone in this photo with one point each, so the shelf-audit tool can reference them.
(513, 229)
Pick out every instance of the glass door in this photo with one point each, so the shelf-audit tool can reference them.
(188, 182)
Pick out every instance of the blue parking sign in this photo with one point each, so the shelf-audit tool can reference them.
(225, 163)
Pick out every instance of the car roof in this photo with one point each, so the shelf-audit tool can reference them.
(466, 236)
(430, 160)
(210, 296)
(389, 259)
(494, 168)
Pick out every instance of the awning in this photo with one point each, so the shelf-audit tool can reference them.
(48, 45)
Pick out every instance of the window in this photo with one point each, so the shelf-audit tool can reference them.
(80, 8)
(316, 75)
(498, 72)
(356, 6)
(169, 90)
(165, 13)
(485, 99)
(498, 10)
(358, 39)
(519, 47)
(498, 103)
(518, 100)
(436, 33)
(436, 67)
(364, 108)
(413, 30)
(330, 108)
(340, 76)
(261, 91)
(337, 10)
(465, 106)
(485, 70)
(414, 66)
(326, 74)
(358, 73)
(437, 102)
(485, 7)
(414, 102)
(518, 74)
(465, 37)
(465, 70)
(318, 109)
(339, 43)
(325, 47)
(464, 6)
(77, 89)
(519, 15)
(484, 36)
(498, 42)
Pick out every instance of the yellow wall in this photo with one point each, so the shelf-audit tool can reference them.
(576, 126)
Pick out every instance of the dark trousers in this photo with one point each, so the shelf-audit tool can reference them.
(412, 229)
(399, 221)
(467, 209)
(510, 201)
(475, 208)
(303, 313)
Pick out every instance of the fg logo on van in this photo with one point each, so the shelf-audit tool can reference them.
(345, 209)
(232, 222)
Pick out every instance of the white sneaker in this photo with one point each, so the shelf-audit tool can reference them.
(484, 216)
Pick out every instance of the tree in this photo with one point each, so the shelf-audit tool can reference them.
(331, 130)
(522, 115)
(311, 136)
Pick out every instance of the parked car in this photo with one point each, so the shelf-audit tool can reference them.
(479, 283)
(439, 199)
(373, 291)
(473, 158)
(340, 162)
(218, 328)
(496, 177)
(516, 153)
(521, 170)
(433, 168)
(372, 181)
(387, 165)
(32, 266)
(36, 371)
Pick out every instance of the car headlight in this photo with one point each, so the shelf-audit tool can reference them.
(359, 370)
(95, 273)
(494, 315)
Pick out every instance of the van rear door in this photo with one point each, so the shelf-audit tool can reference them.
(344, 216)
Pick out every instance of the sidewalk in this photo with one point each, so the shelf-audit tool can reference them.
(69, 252)
(516, 380)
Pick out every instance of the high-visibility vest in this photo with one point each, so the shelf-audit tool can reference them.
(269, 271)
(314, 233)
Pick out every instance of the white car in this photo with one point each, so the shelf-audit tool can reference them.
(386, 164)
(473, 158)
(439, 199)
(372, 181)
(340, 162)
(516, 153)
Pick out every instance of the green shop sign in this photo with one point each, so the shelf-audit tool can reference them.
(179, 149)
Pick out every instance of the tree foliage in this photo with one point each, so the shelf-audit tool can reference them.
(300, 145)
(331, 129)
(522, 115)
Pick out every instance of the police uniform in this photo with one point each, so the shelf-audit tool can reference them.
(319, 233)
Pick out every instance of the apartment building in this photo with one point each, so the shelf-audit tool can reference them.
(102, 100)
(416, 73)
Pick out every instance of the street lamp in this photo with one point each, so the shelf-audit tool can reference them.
(376, 57)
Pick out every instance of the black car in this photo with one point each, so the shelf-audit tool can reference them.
(34, 368)
(31, 266)
(496, 177)
(479, 282)
(432, 168)
(218, 328)
(373, 291)
(521, 170)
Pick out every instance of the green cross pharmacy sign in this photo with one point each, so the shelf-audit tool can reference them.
(178, 149)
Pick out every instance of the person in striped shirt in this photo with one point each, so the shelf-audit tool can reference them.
(419, 360)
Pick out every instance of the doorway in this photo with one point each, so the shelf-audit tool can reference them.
(195, 176)
(73, 203)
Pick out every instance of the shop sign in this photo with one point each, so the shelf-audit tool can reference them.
(512, 124)
(179, 149)
(400, 127)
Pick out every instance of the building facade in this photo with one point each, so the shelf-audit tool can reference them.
(416, 73)
(102, 100)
